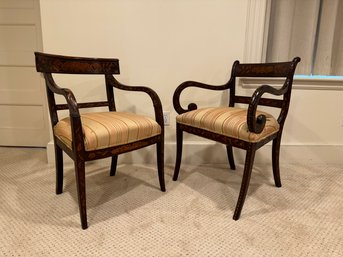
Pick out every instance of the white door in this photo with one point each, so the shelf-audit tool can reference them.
(23, 111)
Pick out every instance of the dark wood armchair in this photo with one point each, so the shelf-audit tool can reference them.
(95, 135)
(245, 128)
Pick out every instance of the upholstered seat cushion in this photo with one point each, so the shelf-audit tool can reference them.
(106, 129)
(228, 121)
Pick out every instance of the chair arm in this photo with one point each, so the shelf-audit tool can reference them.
(256, 124)
(153, 95)
(67, 93)
(75, 119)
(184, 85)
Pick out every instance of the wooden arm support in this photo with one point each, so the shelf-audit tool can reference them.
(153, 95)
(256, 124)
(184, 85)
(67, 93)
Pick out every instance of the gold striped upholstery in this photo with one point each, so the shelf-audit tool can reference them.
(106, 129)
(228, 121)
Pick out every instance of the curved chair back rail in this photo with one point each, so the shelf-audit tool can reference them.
(51, 63)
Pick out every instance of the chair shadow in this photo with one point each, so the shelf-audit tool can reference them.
(107, 196)
(132, 187)
(221, 185)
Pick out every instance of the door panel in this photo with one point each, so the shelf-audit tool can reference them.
(30, 117)
(17, 45)
(23, 110)
(14, 87)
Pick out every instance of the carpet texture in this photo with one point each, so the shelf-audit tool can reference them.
(129, 216)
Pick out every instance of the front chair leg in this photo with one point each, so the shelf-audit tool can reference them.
(249, 160)
(114, 165)
(59, 169)
(160, 164)
(179, 138)
(230, 157)
(81, 191)
(275, 160)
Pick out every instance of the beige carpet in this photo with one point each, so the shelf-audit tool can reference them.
(129, 216)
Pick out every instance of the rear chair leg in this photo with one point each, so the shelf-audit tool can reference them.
(59, 169)
(179, 138)
(114, 165)
(160, 164)
(230, 157)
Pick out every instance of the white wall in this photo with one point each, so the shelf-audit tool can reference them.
(161, 43)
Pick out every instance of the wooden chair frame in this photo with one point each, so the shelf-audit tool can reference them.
(255, 124)
(49, 64)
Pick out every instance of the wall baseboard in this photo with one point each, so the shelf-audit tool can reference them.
(215, 153)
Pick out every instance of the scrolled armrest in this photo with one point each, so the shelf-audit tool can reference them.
(153, 95)
(184, 85)
(256, 124)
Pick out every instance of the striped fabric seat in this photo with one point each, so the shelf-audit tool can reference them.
(107, 129)
(228, 121)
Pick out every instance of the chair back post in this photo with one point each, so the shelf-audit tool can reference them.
(110, 93)
(288, 84)
(232, 84)
(51, 99)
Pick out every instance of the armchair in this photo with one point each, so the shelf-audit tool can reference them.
(95, 135)
(245, 128)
